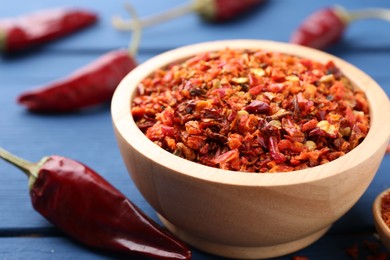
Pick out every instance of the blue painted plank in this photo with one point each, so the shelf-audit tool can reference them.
(42, 67)
(329, 247)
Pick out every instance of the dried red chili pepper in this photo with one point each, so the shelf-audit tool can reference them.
(209, 10)
(91, 85)
(41, 27)
(86, 207)
(327, 26)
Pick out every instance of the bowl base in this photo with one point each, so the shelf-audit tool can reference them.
(238, 252)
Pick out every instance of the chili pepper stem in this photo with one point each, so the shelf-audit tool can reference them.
(136, 38)
(123, 25)
(376, 13)
(29, 168)
(367, 13)
(3, 39)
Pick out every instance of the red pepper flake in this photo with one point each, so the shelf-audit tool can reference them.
(373, 251)
(298, 257)
(380, 256)
(353, 251)
(372, 246)
(252, 110)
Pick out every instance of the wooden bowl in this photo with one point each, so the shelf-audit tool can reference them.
(382, 229)
(248, 215)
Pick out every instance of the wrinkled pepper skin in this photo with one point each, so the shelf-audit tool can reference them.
(91, 85)
(86, 207)
(321, 29)
(41, 27)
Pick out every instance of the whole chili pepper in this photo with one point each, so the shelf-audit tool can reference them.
(41, 27)
(209, 10)
(327, 26)
(86, 207)
(91, 85)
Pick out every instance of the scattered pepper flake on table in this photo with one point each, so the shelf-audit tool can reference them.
(82, 204)
(252, 110)
(298, 257)
(37, 28)
(353, 251)
(367, 249)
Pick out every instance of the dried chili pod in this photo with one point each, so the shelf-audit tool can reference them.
(327, 25)
(86, 207)
(41, 27)
(89, 86)
(209, 10)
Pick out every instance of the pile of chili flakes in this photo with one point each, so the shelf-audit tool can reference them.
(252, 111)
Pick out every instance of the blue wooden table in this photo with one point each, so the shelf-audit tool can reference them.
(88, 136)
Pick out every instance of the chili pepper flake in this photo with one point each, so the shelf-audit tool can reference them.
(353, 251)
(298, 257)
(252, 111)
(367, 249)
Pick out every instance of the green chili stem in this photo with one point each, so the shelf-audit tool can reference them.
(26, 166)
(29, 168)
(120, 24)
(370, 13)
(136, 37)
(3, 40)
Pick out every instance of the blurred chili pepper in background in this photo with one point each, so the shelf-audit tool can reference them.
(86, 207)
(41, 27)
(327, 26)
(209, 10)
(91, 85)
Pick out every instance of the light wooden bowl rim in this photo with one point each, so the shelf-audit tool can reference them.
(374, 141)
(376, 210)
